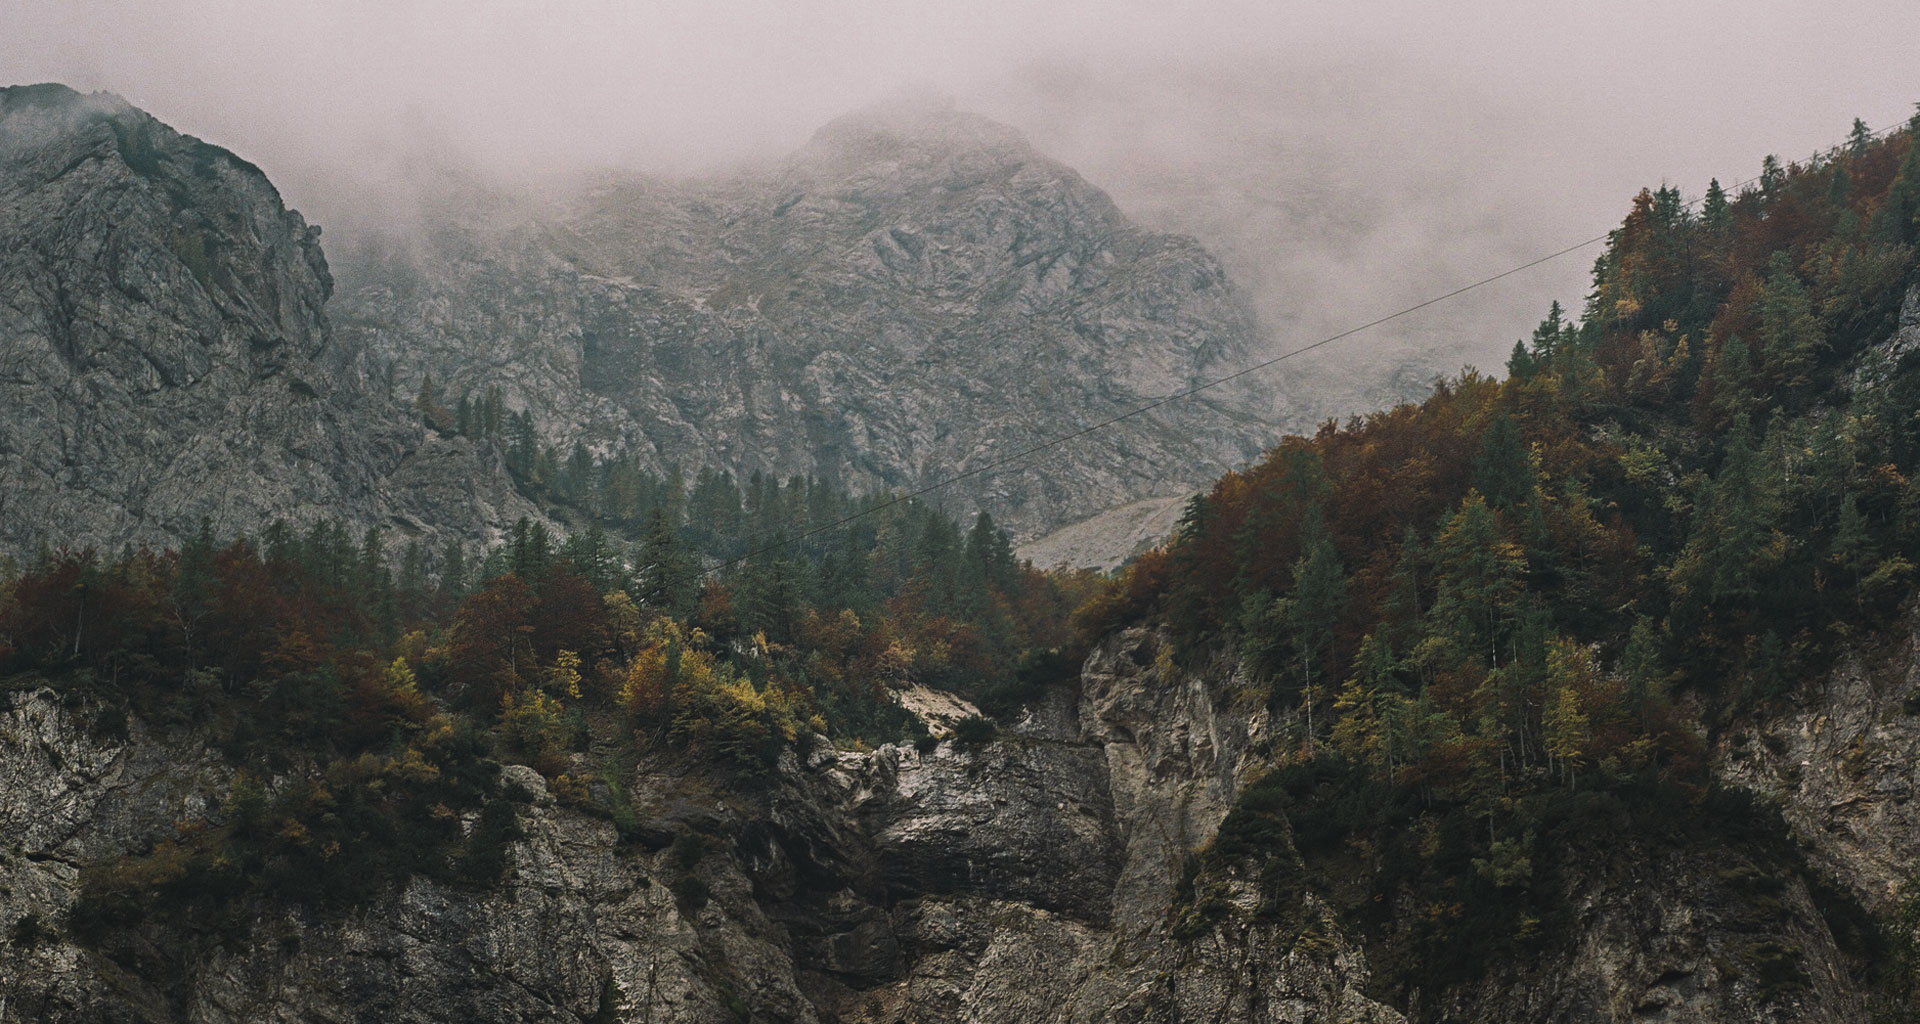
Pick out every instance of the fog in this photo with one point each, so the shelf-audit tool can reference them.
(1343, 160)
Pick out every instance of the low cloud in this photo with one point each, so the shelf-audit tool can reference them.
(1343, 162)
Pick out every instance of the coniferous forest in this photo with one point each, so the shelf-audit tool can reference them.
(1508, 622)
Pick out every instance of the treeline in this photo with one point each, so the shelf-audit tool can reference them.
(898, 597)
(622, 492)
(380, 695)
(1475, 605)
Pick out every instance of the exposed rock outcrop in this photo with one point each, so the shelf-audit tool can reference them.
(165, 353)
(1033, 877)
(1027, 878)
(1843, 760)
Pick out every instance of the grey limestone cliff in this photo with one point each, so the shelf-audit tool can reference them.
(1030, 878)
(165, 353)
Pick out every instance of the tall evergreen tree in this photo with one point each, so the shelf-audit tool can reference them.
(1478, 577)
(1503, 469)
(665, 576)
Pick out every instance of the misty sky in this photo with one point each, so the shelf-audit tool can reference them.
(1343, 159)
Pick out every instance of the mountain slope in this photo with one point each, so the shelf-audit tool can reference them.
(911, 295)
(165, 353)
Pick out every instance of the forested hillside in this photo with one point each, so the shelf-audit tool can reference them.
(1512, 619)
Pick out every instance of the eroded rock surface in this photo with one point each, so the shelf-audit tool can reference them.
(165, 353)
(914, 294)
(1036, 877)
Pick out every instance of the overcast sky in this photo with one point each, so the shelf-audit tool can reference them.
(1343, 158)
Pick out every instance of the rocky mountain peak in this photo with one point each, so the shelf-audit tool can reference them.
(35, 113)
(912, 132)
(913, 293)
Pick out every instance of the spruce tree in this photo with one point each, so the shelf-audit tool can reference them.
(1716, 214)
(664, 577)
(1503, 470)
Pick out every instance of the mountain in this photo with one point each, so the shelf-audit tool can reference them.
(914, 294)
(166, 357)
(1586, 694)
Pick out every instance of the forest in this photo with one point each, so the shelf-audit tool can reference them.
(1507, 623)
(732, 627)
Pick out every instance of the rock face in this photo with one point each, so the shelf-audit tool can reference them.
(165, 354)
(1033, 877)
(1108, 540)
(1029, 878)
(1844, 762)
(914, 294)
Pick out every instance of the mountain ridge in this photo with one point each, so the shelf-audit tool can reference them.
(914, 291)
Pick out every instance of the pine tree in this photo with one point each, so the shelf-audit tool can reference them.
(529, 550)
(190, 599)
(374, 581)
(1521, 364)
(1716, 214)
(594, 558)
(1771, 175)
(1478, 577)
(453, 570)
(1641, 667)
(1859, 139)
(1313, 608)
(1551, 331)
(989, 548)
(1790, 331)
(1853, 550)
(411, 585)
(577, 475)
(522, 446)
(1839, 187)
(1898, 219)
(1737, 528)
(1732, 394)
(664, 577)
(1503, 470)
(1363, 729)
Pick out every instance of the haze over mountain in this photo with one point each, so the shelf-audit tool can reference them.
(165, 354)
(914, 294)
(1341, 161)
(909, 297)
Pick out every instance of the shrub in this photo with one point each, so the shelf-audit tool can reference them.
(974, 730)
